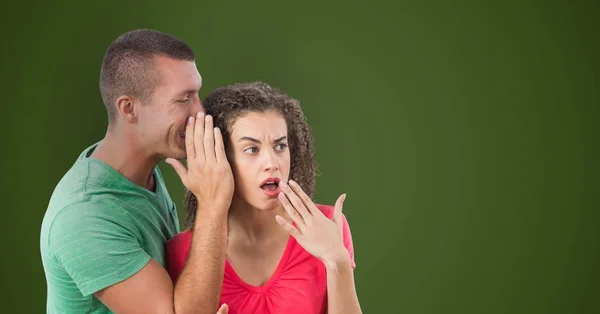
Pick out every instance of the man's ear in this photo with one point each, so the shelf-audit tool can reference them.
(127, 108)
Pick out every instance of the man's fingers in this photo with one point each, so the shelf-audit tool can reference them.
(179, 168)
(189, 139)
(224, 309)
(295, 200)
(199, 136)
(219, 146)
(209, 140)
(287, 226)
(308, 203)
(291, 211)
(337, 210)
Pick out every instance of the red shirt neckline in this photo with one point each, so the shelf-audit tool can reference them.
(289, 247)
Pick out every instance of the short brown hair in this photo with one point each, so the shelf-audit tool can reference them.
(127, 64)
(227, 104)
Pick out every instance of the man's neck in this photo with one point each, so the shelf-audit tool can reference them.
(121, 153)
(254, 225)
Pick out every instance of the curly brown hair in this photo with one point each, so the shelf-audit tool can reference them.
(227, 104)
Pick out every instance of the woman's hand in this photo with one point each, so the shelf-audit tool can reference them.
(224, 309)
(320, 236)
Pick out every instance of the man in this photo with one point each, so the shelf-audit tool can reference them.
(103, 235)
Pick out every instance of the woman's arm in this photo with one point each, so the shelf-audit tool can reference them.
(341, 288)
(341, 291)
(328, 240)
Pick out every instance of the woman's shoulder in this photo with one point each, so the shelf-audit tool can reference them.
(180, 241)
(177, 249)
(327, 210)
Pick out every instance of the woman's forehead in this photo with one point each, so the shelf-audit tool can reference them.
(260, 123)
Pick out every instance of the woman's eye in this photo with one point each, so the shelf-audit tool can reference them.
(252, 150)
(281, 146)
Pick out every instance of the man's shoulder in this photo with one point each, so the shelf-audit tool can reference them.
(77, 195)
(90, 183)
(78, 214)
(84, 194)
(73, 183)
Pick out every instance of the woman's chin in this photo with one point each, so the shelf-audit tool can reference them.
(271, 207)
(268, 205)
(260, 204)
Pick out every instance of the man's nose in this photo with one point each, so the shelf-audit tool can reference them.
(196, 106)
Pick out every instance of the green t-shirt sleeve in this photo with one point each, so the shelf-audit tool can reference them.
(95, 244)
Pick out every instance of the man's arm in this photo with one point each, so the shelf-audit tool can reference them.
(93, 242)
(210, 178)
(198, 288)
(148, 291)
(205, 265)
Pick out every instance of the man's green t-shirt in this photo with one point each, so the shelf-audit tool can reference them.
(99, 229)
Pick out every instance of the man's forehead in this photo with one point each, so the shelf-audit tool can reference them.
(170, 66)
(183, 76)
(168, 61)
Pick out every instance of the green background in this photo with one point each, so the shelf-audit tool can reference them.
(465, 134)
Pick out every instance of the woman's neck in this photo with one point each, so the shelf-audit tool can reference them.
(252, 224)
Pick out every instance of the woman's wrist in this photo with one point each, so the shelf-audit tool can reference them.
(337, 261)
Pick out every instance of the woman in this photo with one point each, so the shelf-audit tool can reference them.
(285, 254)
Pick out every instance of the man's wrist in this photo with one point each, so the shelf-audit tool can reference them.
(212, 209)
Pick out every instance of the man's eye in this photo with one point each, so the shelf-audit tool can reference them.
(183, 101)
(281, 146)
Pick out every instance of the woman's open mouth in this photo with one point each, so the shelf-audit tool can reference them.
(271, 186)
